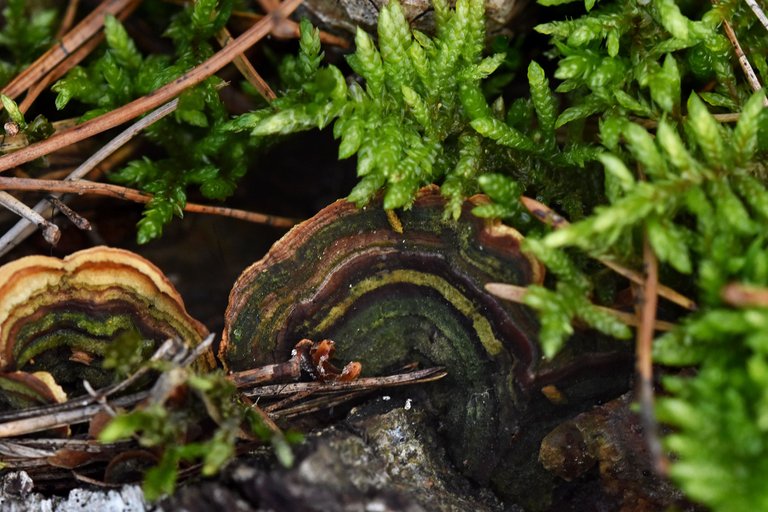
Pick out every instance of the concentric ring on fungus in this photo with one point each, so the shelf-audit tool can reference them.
(57, 315)
(389, 298)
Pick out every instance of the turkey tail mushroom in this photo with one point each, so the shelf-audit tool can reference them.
(58, 315)
(389, 298)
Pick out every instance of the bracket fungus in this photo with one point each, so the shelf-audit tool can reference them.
(57, 317)
(389, 298)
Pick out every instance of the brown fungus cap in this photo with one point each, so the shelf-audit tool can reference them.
(57, 314)
(388, 298)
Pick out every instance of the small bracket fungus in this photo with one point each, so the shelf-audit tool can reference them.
(57, 317)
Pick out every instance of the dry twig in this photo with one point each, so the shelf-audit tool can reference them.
(22, 229)
(155, 99)
(749, 73)
(758, 12)
(76, 37)
(517, 294)
(129, 194)
(545, 214)
(72, 60)
(652, 124)
(68, 18)
(75, 218)
(364, 383)
(47, 420)
(51, 231)
(246, 68)
(745, 296)
(648, 302)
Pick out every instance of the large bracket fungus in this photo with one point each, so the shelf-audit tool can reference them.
(58, 315)
(389, 297)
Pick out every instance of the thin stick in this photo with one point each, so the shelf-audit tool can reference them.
(728, 117)
(758, 12)
(68, 44)
(58, 415)
(246, 68)
(545, 214)
(129, 194)
(754, 82)
(154, 99)
(72, 60)
(665, 291)
(63, 418)
(22, 229)
(284, 28)
(164, 352)
(316, 404)
(75, 218)
(51, 231)
(744, 295)
(241, 18)
(68, 19)
(364, 383)
(644, 361)
(517, 294)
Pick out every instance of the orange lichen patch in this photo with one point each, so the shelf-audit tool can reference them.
(58, 315)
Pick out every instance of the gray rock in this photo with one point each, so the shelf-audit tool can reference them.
(345, 15)
(383, 458)
(16, 496)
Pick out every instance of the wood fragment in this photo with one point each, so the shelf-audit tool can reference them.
(68, 18)
(652, 124)
(745, 296)
(63, 418)
(72, 60)
(22, 229)
(317, 404)
(246, 68)
(363, 383)
(75, 218)
(289, 31)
